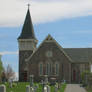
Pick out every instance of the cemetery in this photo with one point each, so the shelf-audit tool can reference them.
(48, 67)
(43, 86)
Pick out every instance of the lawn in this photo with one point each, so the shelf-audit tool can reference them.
(88, 89)
(21, 87)
(62, 88)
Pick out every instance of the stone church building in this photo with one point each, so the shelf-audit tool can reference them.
(49, 58)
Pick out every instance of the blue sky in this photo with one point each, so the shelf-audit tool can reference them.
(69, 24)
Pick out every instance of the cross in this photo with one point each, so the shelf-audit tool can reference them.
(28, 6)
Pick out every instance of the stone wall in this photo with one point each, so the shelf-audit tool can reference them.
(57, 56)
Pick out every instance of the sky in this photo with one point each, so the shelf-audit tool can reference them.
(68, 21)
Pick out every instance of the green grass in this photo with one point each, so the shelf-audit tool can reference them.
(88, 89)
(40, 88)
(52, 88)
(62, 89)
(21, 87)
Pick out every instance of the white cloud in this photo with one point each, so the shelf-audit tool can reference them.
(12, 12)
(8, 53)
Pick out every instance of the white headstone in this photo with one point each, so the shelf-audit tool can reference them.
(46, 88)
(31, 89)
(28, 88)
(2, 88)
(56, 88)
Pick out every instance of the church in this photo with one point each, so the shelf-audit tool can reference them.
(49, 58)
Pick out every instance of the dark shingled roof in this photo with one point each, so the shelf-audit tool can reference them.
(27, 31)
(79, 55)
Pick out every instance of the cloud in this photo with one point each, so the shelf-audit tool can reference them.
(8, 53)
(12, 12)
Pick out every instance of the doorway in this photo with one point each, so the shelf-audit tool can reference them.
(25, 75)
(74, 75)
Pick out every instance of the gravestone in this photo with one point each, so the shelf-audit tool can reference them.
(43, 83)
(52, 81)
(10, 83)
(46, 79)
(2, 88)
(28, 88)
(31, 80)
(35, 88)
(32, 89)
(56, 88)
(46, 88)
(59, 85)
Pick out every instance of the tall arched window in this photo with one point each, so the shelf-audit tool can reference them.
(40, 69)
(48, 69)
(91, 68)
(56, 69)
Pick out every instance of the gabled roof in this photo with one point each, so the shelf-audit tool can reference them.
(49, 38)
(27, 30)
(79, 55)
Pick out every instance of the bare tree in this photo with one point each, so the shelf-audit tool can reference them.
(9, 73)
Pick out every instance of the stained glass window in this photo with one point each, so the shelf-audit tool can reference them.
(56, 69)
(41, 69)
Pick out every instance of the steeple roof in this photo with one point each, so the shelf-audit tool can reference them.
(27, 30)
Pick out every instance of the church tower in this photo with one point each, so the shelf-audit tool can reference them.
(27, 45)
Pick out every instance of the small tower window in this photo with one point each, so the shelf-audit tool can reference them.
(41, 69)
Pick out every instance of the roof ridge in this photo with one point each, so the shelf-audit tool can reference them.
(60, 47)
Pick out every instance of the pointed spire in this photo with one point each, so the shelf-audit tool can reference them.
(28, 6)
(27, 30)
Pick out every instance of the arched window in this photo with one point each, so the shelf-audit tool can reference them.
(48, 69)
(91, 68)
(56, 69)
(40, 69)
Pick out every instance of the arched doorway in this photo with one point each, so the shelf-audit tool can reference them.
(74, 75)
(24, 74)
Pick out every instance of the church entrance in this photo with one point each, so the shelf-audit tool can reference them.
(25, 75)
(74, 75)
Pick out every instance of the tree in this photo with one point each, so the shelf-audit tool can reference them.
(1, 69)
(9, 73)
(84, 77)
